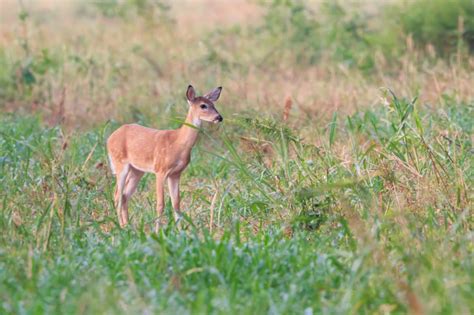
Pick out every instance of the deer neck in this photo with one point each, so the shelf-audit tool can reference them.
(187, 133)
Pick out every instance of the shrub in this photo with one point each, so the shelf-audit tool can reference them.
(334, 31)
(442, 23)
(344, 33)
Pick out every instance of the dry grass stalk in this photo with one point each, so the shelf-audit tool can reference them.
(58, 115)
(287, 108)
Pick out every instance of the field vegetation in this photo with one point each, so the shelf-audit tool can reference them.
(339, 183)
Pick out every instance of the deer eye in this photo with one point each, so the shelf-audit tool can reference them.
(203, 106)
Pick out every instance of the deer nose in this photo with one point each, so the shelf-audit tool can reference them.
(220, 118)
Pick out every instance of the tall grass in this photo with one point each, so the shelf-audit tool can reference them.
(376, 218)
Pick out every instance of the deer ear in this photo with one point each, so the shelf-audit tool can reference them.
(190, 93)
(214, 94)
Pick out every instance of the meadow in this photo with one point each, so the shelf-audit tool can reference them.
(339, 183)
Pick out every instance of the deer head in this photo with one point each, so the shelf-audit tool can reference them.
(202, 107)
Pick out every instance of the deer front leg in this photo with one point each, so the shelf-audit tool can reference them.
(160, 199)
(173, 186)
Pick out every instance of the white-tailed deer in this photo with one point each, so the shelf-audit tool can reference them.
(134, 150)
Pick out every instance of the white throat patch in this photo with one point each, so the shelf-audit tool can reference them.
(197, 122)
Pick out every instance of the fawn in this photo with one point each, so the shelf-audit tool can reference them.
(134, 150)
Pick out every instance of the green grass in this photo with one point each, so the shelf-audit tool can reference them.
(374, 217)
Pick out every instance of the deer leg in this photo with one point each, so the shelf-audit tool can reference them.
(117, 171)
(116, 201)
(122, 173)
(160, 199)
(173, 185)
(131, 184)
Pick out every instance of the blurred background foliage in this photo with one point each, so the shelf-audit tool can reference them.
(104, 41)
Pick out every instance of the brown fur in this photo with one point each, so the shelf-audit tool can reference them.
(134, 150)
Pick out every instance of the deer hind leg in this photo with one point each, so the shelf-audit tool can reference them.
(121, 175)
(131, 183)
(117, 168)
